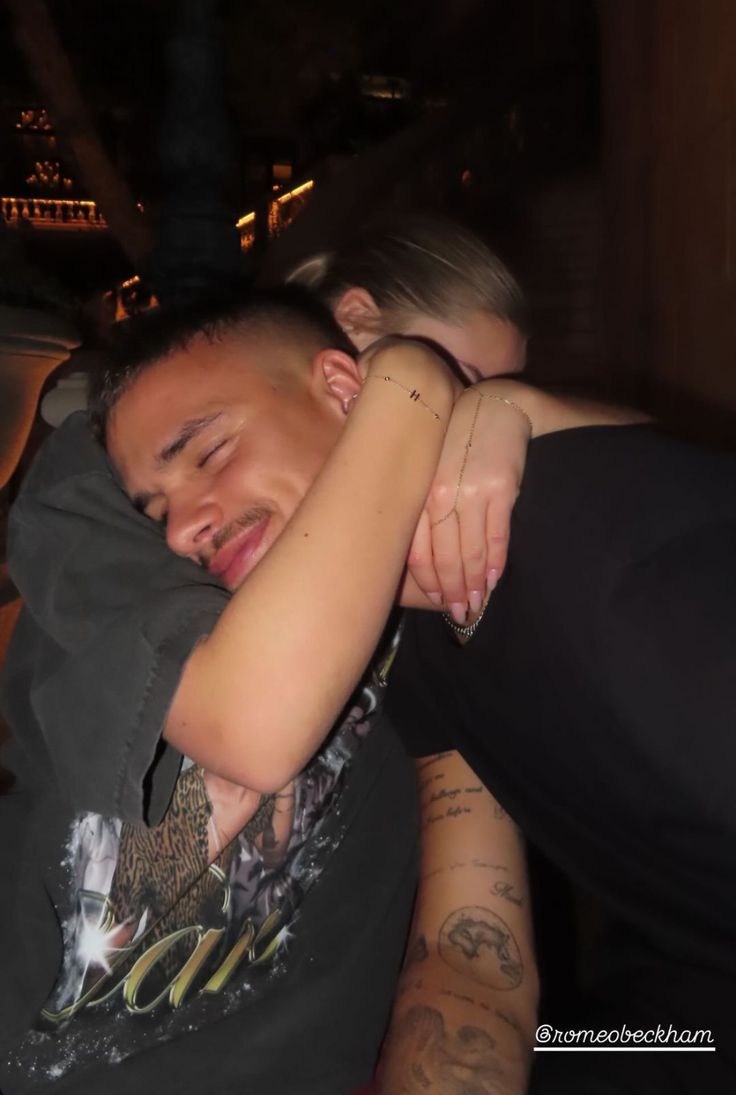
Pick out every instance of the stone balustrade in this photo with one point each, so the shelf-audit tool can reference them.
(64, 213)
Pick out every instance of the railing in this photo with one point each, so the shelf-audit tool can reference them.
(281, 212)
(71, 213)
(52, 213)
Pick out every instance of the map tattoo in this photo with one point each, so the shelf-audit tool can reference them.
(479, 944)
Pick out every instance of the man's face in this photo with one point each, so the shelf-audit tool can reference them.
(220, 443)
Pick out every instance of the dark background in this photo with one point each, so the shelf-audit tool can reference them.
(590, 143)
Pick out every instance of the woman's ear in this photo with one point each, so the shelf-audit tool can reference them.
(358, 314)
(337, 377)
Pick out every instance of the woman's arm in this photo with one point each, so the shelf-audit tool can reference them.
(459, 550)
(258, 696)
(465, 1011)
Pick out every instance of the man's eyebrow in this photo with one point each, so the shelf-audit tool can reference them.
(191, 429)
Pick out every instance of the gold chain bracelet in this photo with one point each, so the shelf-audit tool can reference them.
(413, 394)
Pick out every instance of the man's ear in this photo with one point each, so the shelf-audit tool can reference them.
(357, 312)
(337, 377)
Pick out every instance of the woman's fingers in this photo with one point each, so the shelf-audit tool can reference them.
(473, 520)
(462, 541)
(498, 526)
(448, 564)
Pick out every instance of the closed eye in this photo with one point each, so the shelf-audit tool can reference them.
(159, 519)
(203, 460)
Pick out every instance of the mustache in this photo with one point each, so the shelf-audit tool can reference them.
(246, 520)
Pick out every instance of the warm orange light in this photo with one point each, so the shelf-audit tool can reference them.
(296, 192)
(52, 212)
(248, 218)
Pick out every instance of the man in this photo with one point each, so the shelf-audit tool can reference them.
(651, 528)
(249, 933)
(596, 702)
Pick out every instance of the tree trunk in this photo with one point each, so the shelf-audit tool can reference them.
(51, 70)
(196, 244)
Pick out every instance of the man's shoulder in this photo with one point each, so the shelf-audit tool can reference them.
(634, 486)
(68, 456)
(619, 450)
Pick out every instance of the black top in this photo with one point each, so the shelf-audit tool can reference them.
(128, 961)
(596, 699)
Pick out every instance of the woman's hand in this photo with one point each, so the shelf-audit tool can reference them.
(460, 546)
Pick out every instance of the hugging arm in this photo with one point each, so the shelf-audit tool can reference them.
(461, 543)
(465, 1010)
(334, 572)
(313, 609)
(105, 596)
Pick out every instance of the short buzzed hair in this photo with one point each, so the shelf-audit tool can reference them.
(290, 315)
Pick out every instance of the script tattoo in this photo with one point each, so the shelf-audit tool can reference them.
(479, 944)
(445, 793)
(505, 889)
(427, 1057)
(441, 801)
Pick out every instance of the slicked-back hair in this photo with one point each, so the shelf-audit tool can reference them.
(290, 315)
(415, 265)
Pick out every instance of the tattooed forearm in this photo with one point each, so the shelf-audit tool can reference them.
(439, 801)
(479, 944)
(426, 1056)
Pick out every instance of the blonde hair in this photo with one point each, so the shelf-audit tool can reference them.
(419, 265)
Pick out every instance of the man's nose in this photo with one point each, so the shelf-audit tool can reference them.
(190, 526)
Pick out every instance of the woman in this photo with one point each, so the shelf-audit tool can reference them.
(431, 279)
(425, 278)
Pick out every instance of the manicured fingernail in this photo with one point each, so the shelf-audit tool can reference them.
(491, 581)
(459, 612)
(435, 598)
(475, 597)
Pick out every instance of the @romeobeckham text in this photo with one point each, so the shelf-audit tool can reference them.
(660, 1038)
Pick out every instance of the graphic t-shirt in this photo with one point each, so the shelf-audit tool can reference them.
(159, 941)
(161, 926)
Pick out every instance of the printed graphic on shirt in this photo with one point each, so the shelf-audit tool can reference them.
(193, 909)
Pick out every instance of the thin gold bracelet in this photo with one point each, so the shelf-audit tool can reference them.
(468, 445)
(508, 402)
(469, 442)
(413, 394)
